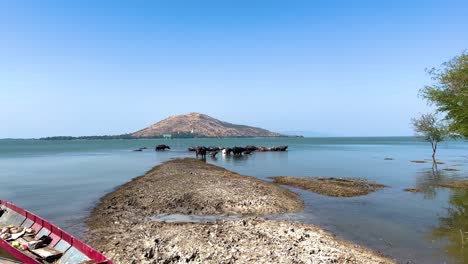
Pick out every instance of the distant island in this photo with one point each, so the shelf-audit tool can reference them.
(191, 125)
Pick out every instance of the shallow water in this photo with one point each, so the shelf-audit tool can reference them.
(63, 180)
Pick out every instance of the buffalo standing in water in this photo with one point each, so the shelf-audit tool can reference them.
(226, 151)
(237, 151)
(201, 151)
(161, 147)
(250, 148)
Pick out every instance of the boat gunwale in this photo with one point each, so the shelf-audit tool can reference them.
(17, 254)
(74, 242)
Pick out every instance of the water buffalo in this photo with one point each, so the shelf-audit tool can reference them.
(140, 149)
(161, 147)
(227, 151)
(251, 148)
(279, 148)
(201, 151)
(283, 148)
(238, 150)
(211, 148)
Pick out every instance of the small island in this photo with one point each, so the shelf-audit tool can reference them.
(190, 125)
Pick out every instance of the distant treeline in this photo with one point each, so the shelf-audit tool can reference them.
(123, 136)
(129, 136)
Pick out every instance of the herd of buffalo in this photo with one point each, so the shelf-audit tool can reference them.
(236, 151)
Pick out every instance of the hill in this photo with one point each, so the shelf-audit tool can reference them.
(201, 125)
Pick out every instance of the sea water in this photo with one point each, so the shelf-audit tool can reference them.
(63, 180)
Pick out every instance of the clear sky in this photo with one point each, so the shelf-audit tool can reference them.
(341, 68)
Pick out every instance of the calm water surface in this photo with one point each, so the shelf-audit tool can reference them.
(63, 180)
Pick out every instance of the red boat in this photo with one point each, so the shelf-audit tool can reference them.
(61, 247)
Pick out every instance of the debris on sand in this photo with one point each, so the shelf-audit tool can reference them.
(191, 186)
(250, 240)
(121, 224)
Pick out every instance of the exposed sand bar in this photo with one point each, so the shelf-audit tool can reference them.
(336, 187)
(121, 224)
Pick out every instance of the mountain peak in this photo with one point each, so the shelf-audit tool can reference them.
(201, 125)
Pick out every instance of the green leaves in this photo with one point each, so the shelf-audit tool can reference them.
(431, 129)
(449, 93)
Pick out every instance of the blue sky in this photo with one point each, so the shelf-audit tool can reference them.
(341, 68)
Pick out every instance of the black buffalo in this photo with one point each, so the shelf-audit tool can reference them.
(237, 151)
(161, 147)
(251, 148)
(201, 151)
(212, 148)
(227, 151)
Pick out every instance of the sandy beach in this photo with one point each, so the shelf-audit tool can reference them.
(121, 225)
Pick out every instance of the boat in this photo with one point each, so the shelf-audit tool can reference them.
(31, 230)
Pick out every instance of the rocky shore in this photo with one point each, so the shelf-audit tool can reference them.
(121, 224)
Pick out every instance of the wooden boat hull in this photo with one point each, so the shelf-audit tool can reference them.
(74, 250)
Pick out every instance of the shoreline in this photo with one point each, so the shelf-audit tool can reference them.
(119, 225)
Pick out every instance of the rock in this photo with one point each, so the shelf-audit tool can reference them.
(149, 253)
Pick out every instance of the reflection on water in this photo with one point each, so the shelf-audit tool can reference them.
(428, 180)
(453, 227)
(453, 223)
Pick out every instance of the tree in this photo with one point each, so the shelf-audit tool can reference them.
(430, 129)
(449, 93)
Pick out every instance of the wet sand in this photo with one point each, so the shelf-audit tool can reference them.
(122, 228)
